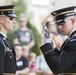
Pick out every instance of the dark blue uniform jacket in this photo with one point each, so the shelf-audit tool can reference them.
(63, 61)
(7, 57)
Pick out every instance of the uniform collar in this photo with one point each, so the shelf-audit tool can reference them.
(72, 32)
(4, 35)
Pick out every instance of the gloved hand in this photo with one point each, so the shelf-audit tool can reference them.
(47, 37)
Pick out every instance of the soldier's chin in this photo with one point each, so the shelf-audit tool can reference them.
(11, 28)
(64, 34)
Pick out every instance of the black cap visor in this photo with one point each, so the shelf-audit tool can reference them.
(60, 22)
(12, 15)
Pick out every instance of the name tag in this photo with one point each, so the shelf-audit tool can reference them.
(19, 63)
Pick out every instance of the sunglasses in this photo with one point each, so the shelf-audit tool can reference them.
(11, 18)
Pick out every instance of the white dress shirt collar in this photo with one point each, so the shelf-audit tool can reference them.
(3, 34)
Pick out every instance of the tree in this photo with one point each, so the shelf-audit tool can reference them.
(21, 8)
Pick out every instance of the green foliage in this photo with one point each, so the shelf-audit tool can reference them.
(10, 36)
(37, 38)
(21, 8)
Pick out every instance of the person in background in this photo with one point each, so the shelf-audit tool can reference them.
(24, 36)
(62, 61)
(41, 66)
(32, 61)
(46, 19)
(7, 53)
(21, 61)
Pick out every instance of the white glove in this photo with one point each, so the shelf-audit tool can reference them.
(47, 37)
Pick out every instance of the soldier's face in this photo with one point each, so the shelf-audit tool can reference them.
(8, 22)
(66, 27)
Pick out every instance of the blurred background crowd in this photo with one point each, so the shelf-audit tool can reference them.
(32, 16)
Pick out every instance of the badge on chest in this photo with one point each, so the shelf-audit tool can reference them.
(8, 49)
(9, 52)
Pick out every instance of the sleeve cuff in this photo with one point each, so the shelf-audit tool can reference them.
(46, 48)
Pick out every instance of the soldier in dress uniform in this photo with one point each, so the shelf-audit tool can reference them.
(63, 60)
(7, 53)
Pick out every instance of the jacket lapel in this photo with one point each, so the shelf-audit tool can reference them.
(65, 42)
(9, 45)
(6, 41)
(73, 34)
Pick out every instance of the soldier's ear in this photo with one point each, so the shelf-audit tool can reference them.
(1, 20)
(73, 20)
